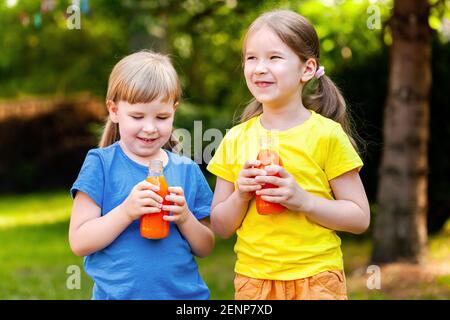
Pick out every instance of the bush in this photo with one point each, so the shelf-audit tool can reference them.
(46, 151)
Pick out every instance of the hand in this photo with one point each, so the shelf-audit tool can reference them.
(288, 193)
(246, 184)
(179, 209)
(142, 200)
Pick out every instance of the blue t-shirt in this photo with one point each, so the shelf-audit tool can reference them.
(133, 267)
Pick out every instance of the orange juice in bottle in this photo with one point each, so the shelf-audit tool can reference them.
(268, 156)
(152, 225)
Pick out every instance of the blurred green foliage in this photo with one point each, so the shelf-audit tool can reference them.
(40, 55)
(203, 37)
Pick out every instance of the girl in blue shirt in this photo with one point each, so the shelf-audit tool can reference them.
(111, 194)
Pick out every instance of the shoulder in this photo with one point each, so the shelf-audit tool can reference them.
(324, 124)
(185, 169)
(103, 155)
(176, 158)
(105, 151)
(102, 152)
(325, 128)
(182, 162)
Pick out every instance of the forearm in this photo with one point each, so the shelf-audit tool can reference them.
(227, 216)
(199, 236)
(340, 215)
(98, 233)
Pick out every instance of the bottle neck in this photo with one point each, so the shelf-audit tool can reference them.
(268, 141)
(155, 168)
(154, 173)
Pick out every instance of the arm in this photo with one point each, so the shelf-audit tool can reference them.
(90, 232)
(229, 206)
(350, 211)
(228, 209)
(198, 234)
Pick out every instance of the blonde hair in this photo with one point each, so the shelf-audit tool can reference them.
(141, 77)
(297, 33)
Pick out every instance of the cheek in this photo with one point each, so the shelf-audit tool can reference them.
(290, 77)
(247, 72)
(248, 81)
(127, 125)
(166, 128)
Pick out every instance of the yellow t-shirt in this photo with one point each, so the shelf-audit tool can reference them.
(288, 246)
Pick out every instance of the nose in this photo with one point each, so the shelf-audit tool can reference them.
(149, 128)
(261, 67)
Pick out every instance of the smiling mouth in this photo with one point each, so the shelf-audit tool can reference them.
(263, 84)
(147, 140)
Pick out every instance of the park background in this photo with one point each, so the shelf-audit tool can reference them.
(55, 59)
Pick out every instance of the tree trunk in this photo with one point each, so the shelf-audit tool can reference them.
(400, 231)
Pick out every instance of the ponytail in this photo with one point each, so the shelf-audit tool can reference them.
(327, 100)
(110, 134)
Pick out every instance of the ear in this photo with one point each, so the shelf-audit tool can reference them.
(175, 106)
(112, 109)
(309, 70)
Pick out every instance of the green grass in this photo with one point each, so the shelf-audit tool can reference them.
(35, 255)
(35, 252)
(218, 270)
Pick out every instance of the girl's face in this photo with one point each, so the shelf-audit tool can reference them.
(144, 127)
(273, 71)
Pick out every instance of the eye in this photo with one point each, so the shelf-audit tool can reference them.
(250, 58)
(275, 57)
(162, 117)
(137, 117)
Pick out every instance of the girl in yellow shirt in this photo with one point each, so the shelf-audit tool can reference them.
(294, 254)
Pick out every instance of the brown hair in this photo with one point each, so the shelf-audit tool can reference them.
(141, 77)
(297, 33)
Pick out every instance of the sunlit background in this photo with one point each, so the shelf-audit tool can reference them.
(55, 59)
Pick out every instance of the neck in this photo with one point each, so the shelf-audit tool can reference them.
(284, 117)
(159, 155)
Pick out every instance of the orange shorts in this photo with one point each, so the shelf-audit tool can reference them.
(328, 285)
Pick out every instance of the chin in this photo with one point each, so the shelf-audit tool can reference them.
(266, 101)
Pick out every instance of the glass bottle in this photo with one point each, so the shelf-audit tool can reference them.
(268, 156)
(152, 225)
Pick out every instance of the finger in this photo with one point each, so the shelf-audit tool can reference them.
(253, 172)
(251, 163)
(141, 185)
(179, 200)
(250, 188)
(149, 202)
(175, 209)
(145, 185)
(176, 190)
(149, 210)
(272, 199)
(151, 194)
(278, 192)
(274, 169)
(170, 218)
(247, 181)
(270, 179)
